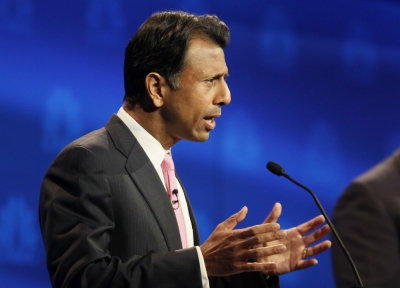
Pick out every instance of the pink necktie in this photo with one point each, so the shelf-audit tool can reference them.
(168, 170)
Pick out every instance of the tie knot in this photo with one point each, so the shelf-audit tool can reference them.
(167, 164)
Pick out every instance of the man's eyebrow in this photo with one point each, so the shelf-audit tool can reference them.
(219, 75)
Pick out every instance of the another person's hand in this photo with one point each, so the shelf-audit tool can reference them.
(296, 241)
(227, 252)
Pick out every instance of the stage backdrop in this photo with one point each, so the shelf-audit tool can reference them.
(314, 87)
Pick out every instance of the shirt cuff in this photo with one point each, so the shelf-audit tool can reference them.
(203, 271)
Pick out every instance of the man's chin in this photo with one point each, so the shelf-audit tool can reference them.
(201, 137)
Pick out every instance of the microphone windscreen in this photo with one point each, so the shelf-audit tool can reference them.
(275, 168)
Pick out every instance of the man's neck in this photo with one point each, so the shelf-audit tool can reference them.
(151, 121)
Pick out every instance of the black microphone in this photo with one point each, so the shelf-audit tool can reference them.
(278, 170)
(173, 202)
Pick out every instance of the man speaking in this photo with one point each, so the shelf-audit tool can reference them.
(113, 212)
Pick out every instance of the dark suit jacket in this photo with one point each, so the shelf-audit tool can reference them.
(106, 220)
(367, 217)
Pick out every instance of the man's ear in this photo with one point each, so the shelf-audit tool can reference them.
(155, 86)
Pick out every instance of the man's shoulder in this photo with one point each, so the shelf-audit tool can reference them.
(91, 140)
(100, 138)
(96, 143)
(380, 183)
(112, 141)
(384, 172)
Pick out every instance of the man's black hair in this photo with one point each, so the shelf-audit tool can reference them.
(160, 45)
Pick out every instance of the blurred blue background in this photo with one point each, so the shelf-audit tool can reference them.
(314, 87)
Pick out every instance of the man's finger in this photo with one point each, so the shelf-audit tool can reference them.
(232, 221)
(319, 248)
(256, 230)
(262, 252)
(316, 235)
(260, 239)
(302, 264)
(274, 214)
(255, 266)
(310, 225)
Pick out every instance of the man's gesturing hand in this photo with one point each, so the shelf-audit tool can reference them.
(228, 251)
(297, 239)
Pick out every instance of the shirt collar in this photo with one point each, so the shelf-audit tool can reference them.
(150, 145)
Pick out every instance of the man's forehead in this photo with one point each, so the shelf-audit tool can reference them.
(202, 43)
(202, 52)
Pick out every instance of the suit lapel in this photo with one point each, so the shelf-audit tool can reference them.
(146, 179)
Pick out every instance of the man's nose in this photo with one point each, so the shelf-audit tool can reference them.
(224, 95)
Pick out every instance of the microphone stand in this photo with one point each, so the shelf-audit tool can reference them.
(279, 171)
(346, 253)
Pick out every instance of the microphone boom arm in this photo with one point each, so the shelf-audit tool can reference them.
(346, 253)
(279, 171)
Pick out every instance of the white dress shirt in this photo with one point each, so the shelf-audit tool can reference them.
(156, 153)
